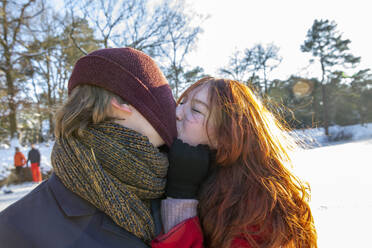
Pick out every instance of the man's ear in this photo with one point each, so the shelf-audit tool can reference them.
(123, 107)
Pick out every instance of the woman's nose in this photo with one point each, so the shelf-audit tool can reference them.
(179, 113)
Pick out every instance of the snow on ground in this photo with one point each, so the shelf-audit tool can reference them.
(19, 191)
(341, 191)
(338, 173)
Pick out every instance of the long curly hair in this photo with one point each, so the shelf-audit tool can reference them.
(251, 194)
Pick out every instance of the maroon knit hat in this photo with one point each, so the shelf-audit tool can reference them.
(136, 78)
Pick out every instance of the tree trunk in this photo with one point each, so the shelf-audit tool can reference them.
(40, 131)
(51, 125)
(12, 105)
(325, 109)
(315, 114)
(50, 106)
(324, 99)
(176, 84)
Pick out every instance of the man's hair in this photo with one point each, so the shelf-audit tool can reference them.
(86, 104)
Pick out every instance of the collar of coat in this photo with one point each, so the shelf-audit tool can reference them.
(73, 206)
(70, 203)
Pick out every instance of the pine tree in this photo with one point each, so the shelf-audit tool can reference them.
(328, 47)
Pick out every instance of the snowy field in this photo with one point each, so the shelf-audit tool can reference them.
(341, 192)
(18, 192)
(339, 175)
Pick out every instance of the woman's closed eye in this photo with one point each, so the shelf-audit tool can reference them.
(197, 111)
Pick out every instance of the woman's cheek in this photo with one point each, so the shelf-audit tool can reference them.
(190, 135)
(183, 132)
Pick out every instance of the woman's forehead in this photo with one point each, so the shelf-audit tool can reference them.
(201, 93)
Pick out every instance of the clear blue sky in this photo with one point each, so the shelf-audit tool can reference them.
(239, 24)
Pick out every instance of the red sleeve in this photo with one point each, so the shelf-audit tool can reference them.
(187, 234)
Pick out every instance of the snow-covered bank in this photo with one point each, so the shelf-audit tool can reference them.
(338, 134)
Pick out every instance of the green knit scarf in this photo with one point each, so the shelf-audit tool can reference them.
(117, 170)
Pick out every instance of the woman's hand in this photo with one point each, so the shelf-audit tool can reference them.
(188, 167)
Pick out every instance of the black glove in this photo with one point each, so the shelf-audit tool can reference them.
(188, 167)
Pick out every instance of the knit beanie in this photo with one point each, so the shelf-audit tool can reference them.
(135, 77)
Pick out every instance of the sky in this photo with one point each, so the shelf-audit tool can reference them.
(239, 24)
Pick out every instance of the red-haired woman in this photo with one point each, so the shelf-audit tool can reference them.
(249, 198)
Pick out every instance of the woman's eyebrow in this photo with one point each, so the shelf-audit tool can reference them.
(200, 102)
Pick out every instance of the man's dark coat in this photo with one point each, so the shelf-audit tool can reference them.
(53, 216)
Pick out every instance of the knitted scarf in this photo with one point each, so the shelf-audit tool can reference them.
(117, 170)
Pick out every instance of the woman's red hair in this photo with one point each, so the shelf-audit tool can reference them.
(251, 194)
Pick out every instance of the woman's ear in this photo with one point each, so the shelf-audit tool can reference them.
(122, 107)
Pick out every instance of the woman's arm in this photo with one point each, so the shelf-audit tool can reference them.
(186, 234)
(174, 211)
(188, 167)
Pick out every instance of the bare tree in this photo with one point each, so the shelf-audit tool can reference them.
(182, 38)
(236, 69)
(166, 30)
(254, 62)
(129, 23)
(44, 65)
(54, 54)
(265, 59)
(14, 17)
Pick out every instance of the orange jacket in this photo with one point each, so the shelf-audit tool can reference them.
(19, 159)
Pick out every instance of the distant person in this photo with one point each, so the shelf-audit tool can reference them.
(34, 158)
(19, 160)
